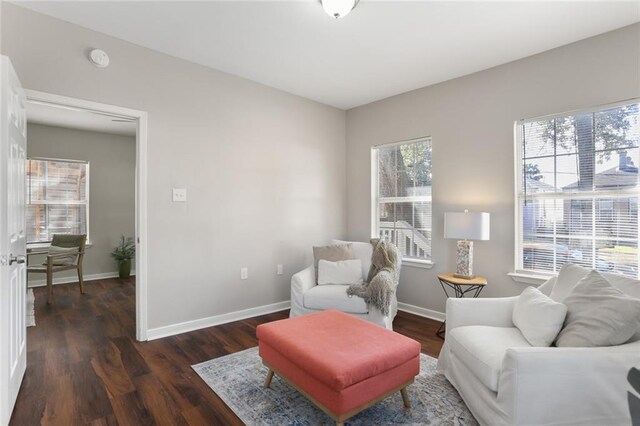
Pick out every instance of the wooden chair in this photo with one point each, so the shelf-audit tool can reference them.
(50, 266)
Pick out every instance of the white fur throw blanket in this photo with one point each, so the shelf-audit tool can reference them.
(383, 276)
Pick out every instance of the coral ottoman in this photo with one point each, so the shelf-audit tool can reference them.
(341, 363)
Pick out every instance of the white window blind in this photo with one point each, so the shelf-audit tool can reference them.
(402, 176)
(57, 198)
(578, 191)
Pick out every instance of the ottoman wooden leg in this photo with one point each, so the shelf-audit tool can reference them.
(267, 381)
(405, 398)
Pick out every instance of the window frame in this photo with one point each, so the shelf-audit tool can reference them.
(86, 203)
(375, 199)
(537, 277)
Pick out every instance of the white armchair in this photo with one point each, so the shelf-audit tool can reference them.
(308, 297)
(506, 381)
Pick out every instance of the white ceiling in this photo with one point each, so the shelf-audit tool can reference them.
(72, 118)
(381, 49)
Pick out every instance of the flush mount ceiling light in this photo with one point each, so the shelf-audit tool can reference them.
(338, 8)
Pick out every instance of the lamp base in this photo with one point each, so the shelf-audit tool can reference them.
(464, 260)
(464, 277)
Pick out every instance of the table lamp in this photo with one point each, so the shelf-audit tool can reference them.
(464, 227)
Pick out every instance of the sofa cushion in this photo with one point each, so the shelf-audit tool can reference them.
(538, 317)
(599, 314)
(332, 253)
(340, 272)
(481, 349)
(568, 277)
(362, 251)
(627, 285)
(332, 296)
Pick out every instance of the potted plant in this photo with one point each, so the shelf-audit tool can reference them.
(123, 253)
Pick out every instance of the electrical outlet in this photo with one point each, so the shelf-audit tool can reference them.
(244, 273)
(179, 195)
(279, 269)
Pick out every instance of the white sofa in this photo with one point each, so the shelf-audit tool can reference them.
(308, 297)
(506, 381)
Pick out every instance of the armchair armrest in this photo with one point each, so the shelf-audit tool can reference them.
(300, 284)
(496, 312)
(303, 281)
(569, 385)
(75, 253)
(51, 257)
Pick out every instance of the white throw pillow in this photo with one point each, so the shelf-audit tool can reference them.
(538, 317)
(362, 251)
(568, 277)
(598, 314)
(340, 272)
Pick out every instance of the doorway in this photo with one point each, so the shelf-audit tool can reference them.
(118, 117)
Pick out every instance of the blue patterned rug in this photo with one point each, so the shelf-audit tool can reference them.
(238, 379)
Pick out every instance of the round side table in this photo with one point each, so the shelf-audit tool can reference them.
(460, 287)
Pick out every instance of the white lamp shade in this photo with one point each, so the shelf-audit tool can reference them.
(466, 226)
(338, 8)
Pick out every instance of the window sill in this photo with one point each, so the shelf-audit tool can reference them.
(532, 279)
(416, 263)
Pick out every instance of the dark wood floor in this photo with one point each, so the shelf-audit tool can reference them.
(84, 365)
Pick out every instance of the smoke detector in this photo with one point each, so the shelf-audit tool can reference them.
(99, 58)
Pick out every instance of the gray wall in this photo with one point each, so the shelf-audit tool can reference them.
(112, 187)
(264, 170)
(471, 120)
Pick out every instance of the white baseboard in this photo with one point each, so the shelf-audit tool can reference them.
(422, 312)
(74, 279)
(184, 327)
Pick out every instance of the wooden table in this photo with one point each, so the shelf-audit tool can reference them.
(461, 287)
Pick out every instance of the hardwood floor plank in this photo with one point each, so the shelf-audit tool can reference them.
(131, 359)
(60, 408)
(91, 396)
(129, 410)
(164, 409)
(31, 407)
(108, 365)
(105, 421)
(84, 365)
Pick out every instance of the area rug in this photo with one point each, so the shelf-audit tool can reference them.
(238, 380)
(31, 310)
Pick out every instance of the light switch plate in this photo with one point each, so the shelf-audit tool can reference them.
(179, 195)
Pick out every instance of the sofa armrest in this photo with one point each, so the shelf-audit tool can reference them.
(496, 312)
(568, 385)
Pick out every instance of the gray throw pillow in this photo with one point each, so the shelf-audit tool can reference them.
(598, 314)
(63, 260)
(332, 253)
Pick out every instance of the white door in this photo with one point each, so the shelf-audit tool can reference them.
(13, 150)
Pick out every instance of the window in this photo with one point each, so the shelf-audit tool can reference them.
(402, 180)
(578, 191)
(57, 198)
